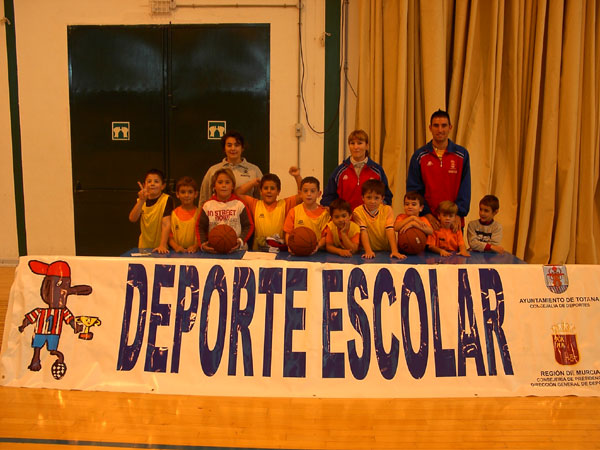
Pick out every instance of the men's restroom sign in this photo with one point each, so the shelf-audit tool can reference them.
(216, 129)
(120, 131)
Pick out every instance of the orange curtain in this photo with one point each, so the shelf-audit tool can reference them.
(521, 81)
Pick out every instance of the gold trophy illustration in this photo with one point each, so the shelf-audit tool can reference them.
(87, 322)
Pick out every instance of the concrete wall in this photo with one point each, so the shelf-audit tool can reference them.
(41, 35)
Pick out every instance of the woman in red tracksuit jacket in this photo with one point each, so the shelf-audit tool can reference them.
(346, 180)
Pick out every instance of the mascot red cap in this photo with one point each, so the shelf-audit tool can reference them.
(57, 268)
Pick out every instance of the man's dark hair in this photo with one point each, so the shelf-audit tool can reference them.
(440, 113)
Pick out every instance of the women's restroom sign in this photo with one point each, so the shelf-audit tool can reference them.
(120, 131)
(216, 129)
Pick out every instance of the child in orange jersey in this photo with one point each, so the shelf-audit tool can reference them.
(413, 205)
(183, 218)
(445, 241)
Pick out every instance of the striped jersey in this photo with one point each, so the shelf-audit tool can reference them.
(49, 320)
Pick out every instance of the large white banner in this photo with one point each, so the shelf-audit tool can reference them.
(277, 328)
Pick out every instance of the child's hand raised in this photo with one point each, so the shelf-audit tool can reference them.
(294, 171)
(143, 193)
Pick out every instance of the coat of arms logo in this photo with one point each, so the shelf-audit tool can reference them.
(556, 278)
(564, 338)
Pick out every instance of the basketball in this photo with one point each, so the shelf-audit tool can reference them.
(222, 238)
(302, 241)
(412, 241)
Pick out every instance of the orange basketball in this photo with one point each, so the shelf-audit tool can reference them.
(222, 238)
(412, 241)
(302, 241)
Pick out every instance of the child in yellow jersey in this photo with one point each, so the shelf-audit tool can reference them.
(153, 210)
(376, 221)
(342, 234)
(183, 218)
(308, 213)
(269, 213)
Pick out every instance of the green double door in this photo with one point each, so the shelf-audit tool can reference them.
(145, 97)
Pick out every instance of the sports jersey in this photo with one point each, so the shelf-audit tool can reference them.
(481, 236)
(448, 178)
(183, 226)
(232, 212)
(375, 225)
(333, 234)
(268, 219)
(151, 221)
(315, 219)
(49, 320)
(446, 239)
(346, 184)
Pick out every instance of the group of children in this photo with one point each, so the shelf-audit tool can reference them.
(267, 223)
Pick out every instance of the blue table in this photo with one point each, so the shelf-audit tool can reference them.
(380, 258)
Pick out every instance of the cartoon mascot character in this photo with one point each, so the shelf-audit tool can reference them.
(48, 322)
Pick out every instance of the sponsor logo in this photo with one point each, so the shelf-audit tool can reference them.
(556, 278)
(564, 340)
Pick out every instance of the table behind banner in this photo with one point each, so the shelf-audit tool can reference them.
(324, 257)
(286, 328)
